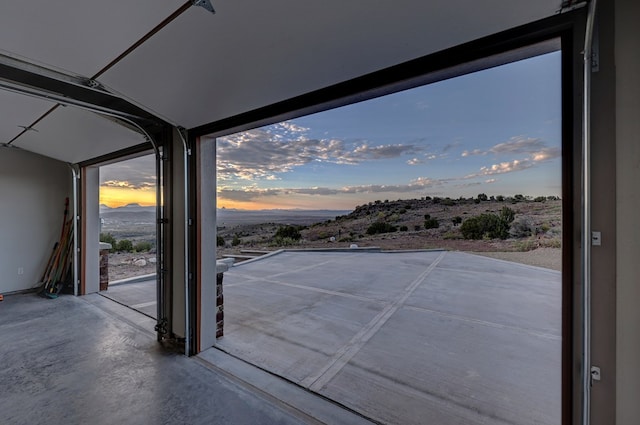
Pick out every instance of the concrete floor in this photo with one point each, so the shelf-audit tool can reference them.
(404, 338)
(139, 295)
(88, 360)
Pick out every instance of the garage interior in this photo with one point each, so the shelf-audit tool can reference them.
(98, 81)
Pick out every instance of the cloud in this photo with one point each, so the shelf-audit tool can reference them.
(536, 151)
(252, 193)
(468, 184)
(364, 152)
(518, 145)
(450, 146)
(128, 184)
(265, 153)
(489, 181)
(137, 173)
(473, 153)
(415, 161)
(502, 168)
(546, 154)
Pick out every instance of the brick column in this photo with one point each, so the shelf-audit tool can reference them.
(219, 306)
(221, 267)
(104, 265)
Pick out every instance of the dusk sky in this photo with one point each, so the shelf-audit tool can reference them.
(496, 131)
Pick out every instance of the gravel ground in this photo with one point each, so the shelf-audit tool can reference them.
(549, 258)
(124, 265)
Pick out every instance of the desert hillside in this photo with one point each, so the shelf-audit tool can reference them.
(496, 224)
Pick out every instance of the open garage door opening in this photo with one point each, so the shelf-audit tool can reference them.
(128, 236)
(402, 255)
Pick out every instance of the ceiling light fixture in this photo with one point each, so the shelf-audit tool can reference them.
(204, 3)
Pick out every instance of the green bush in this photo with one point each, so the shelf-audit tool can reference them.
(403, 228)
(288, 232)
(490, 226)
(143, 247)
(124, 245)
(236, 241)
(507, 215)
(219, 241)
(284, 241)
(108, 238)
(456, 220)
(431, 223)
(380, 227)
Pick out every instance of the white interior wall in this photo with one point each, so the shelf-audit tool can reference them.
(32, 193)
(627, 205)
(207, 222)
(90, 270)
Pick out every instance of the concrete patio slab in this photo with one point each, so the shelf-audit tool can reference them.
(413, 337)
(136, 294)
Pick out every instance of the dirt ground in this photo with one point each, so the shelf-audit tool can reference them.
(124, 265)
(549, 258)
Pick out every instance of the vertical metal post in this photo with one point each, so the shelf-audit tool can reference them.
(586, 219)
(160, 301)
(187, 241)
(76, 179)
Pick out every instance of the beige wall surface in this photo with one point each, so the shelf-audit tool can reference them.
(627, 53)
(32, 193)
(90, 270)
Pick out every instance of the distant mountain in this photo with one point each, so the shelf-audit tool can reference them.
(231, 217)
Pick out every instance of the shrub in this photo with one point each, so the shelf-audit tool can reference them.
(124, 245)
(219, 241)
(288, 232)
(521, 228)
(283, 241)
(482, 197)
(489, 226)
(142, 247)
(431, 223)
(403, 228)
(448, 202)
(236, 241)
(507, 215)
(108, 238)
(456, 220)
(417, 227)
(380, 227)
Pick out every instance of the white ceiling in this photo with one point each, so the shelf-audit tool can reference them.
(74, 135)
(19, 110)
(202, 68)
(79, 36)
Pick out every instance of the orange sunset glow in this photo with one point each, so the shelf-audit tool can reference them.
(119, 196)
